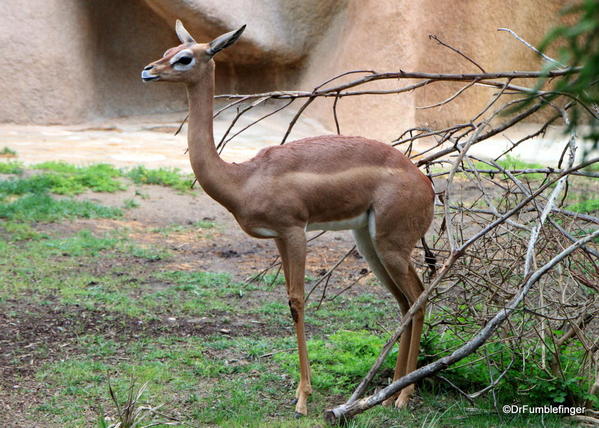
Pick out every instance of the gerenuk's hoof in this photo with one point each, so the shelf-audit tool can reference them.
(402, 401)
(388, 402)
(299, 415)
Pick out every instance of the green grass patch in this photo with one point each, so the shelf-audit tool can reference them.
(7, 151)
(42, 207)
(148, 253)
(67, 179)
(526, 382)
(21, 231)
(174, 367)
(587, 206)
(339, 362)
(84, 243)
(100, 293)
(28, 199)
(273, 279)
(205, 389)
(196, 293)
(243, 402)
(170, 177)
(203, 291)
(58, 267)
(40, 183)
(205, 224)
(196, 280)
(364, 312)
(130, 204)
(11, 167)
(513, 163)
(510, 162)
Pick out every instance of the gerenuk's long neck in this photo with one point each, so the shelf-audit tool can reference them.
(218, 178)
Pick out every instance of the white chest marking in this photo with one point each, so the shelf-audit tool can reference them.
(264, 232)
(357, 222)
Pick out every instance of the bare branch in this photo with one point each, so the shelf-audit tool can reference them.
(433, 37)
(345, 411)
(531, 47)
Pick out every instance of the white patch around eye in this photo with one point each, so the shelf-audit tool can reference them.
(178, 56)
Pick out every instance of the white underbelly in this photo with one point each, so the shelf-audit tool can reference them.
(357, 222)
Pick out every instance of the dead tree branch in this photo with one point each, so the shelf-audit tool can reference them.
(346, 411)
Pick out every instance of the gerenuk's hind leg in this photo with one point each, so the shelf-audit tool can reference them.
(394, 242)
(367, 250)
(403, 273)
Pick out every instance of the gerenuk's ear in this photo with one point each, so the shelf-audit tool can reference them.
(224, 41)
(183, 34)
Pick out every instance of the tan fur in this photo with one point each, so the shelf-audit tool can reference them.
(323, 179)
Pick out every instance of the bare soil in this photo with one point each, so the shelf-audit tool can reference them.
(28, 327)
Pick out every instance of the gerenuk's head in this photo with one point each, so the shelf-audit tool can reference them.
(190, 61)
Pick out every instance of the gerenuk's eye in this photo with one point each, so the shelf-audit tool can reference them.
(184, 60)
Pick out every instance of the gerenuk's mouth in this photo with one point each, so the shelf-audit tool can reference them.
(147, 77)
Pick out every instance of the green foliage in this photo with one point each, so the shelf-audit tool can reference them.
(234, 408)
(525, 382)
(42, 207)
(205, 224)
(339, 362)
(194, 281)
(511, 162)
(130, 204)
(35, 184)
(579, 48)
(273, 279)
(74, 372)
(151, 254)
(585, 207)
(7, 151)
(67, 179)
(83, 243)
(28, 199)
(170, 177)
(21, 231)
(12, 167)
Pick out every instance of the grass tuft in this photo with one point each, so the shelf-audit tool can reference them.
(42, 207)
(67, 179)
(8, 152)
(339, 362)
(12, 167)
(585, 207)
(170, 177)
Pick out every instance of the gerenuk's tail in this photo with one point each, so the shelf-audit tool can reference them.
(429, 258)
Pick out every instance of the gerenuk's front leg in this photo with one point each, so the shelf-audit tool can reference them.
(295, 257)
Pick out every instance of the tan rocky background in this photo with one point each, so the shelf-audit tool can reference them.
(70, 61)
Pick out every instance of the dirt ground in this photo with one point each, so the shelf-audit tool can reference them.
(30, 326)
(39, 330)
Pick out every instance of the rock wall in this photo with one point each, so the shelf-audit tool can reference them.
(394, 35)
(68, 61)
(75, 60)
